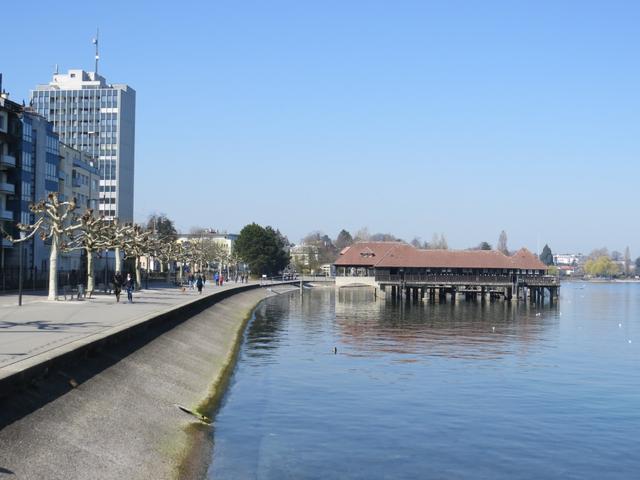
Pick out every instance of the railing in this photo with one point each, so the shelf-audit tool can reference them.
(539, 280)
(318, 278)
(451, 279)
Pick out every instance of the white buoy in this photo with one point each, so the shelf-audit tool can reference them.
(619, 325)
(629, 341)
(493, 328)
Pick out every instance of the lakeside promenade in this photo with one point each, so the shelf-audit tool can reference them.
(40, 330)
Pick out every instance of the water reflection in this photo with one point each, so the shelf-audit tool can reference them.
(474, 390)
(462, 329)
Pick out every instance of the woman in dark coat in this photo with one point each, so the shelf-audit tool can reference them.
(199, 284)
(117, 285)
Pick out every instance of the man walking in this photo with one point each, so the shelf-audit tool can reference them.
(129, 285)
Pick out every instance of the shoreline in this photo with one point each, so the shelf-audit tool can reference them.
(197, 454)
(121, 420)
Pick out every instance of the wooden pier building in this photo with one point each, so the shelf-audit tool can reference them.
(396, 270)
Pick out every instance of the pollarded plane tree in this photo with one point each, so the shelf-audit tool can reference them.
(169, 253)
(161, 248)
(56, 222)
(184, 256)
(198, 254)
(215, 252)
(135, 244)
(94, 234)
(119, 232)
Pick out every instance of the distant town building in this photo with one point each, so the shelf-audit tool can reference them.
(568, 259)
(99, 118)
(225, 240)
(304, 255)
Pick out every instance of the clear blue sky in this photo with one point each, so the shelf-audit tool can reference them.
(410, 117)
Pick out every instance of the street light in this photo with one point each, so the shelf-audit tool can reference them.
(20, 248)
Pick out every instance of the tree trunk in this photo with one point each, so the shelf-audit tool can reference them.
(53, 269)
(90, 274)
(138, 274)
(118, 260)
(168, 273)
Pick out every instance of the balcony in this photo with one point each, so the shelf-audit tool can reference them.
(6, 215)
(7, 188)
(7, 161)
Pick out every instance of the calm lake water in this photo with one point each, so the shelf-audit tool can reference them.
(435, 391)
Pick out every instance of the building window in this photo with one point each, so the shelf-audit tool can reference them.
(51, 171)
(27, 162)
(27, 132)
(26, 192)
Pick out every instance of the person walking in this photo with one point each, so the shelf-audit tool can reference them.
(129, 284)
(216, 277)
(117, 285)
(221, 279)
(199, 284)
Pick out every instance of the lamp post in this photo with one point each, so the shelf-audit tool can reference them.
(20, 270)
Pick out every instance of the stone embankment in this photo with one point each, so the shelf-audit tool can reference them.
(113, 415)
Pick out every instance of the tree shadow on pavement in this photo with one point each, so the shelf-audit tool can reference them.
(45, 325)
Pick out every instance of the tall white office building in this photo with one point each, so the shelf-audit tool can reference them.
(91, 115)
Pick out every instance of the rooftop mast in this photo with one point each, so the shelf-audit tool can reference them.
(95, 42)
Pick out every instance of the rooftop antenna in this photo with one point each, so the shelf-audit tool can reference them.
(95, 42)
(56, 70)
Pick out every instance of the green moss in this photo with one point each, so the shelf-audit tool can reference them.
(187, 463)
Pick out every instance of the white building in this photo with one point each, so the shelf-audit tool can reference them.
(78, 179)
(225, 240)
(91, 115)
(568, 259)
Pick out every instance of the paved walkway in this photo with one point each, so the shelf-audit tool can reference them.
(40, 326)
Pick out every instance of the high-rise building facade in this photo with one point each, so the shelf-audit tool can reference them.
(93, 116)
(10, 149)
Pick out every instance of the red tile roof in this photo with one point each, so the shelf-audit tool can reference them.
(365, 253)
(399, 255)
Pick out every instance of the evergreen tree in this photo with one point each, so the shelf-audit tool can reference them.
(344, 240)
(546, 256)
(263, 248)
(163, 226)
